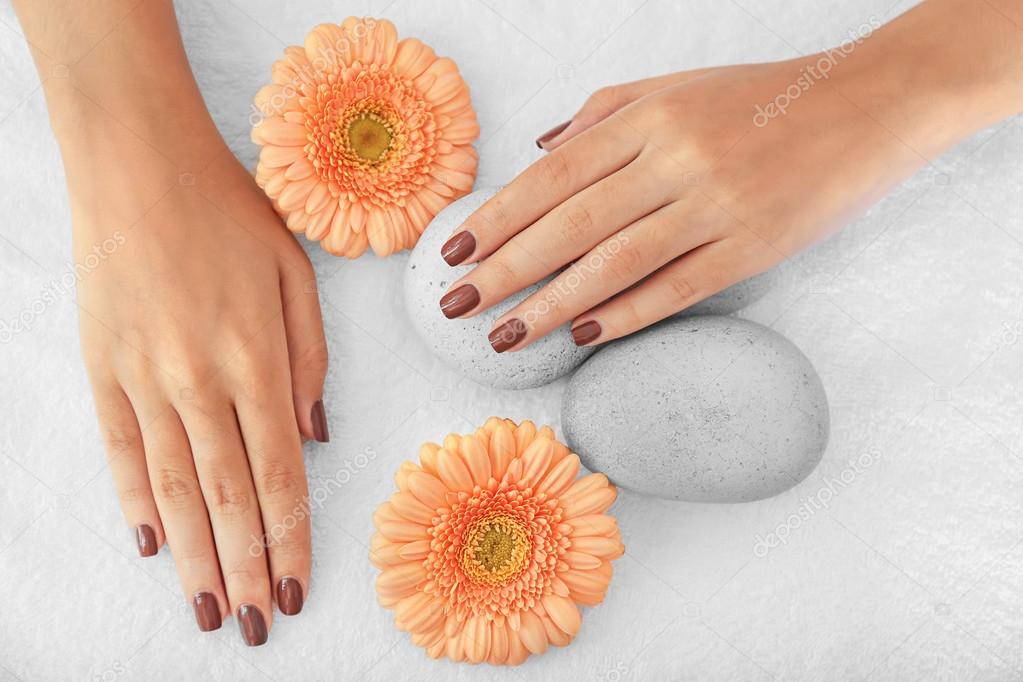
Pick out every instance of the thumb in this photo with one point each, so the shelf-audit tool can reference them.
(607, 101)
(307, 349)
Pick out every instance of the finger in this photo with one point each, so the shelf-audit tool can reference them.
(541, 187)
(275, 458)
(685, 281)
(562, 236)
(607, 101)
(306, 351)
(226, 482)
(182, 509)
(126, 457)
(612, 266)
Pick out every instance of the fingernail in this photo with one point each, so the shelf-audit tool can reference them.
(552, 133)
(507, 335)
(252, 625)
(460, 301)
(458, 248)
(289, 596)
(586, 332)
(145, 538)
(207, 611)
(319, 419)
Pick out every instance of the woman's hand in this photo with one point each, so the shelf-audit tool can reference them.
(662, 192)
(202, 336)
(200, 321)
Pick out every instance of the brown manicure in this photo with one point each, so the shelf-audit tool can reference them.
(319, 419)
(289, 596)
(460, 301)
(207, 611)
(252, 625)
(586, 332)
(552, 133)
(458, 248)
(507, 335)
(145, 538)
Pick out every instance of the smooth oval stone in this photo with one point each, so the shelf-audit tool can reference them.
(463, 344)
(703, 409)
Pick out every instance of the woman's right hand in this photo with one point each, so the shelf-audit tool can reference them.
(201, 331)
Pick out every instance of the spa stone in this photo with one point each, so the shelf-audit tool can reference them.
(702, 409)
(463, 344)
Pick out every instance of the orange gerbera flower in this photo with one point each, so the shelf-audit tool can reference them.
(365, 137)
(490, 544)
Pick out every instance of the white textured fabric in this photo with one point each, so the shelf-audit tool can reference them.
(912, 316)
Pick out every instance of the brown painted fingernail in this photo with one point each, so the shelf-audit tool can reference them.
(319, 419)
(289, 596)
(552, 133)
(507, 335)
(252, 625)
(460, 301)
(145, 538)
(207, 611)
(458, 248)
(586, 332)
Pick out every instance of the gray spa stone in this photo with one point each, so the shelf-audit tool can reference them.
(463, 344)
(735, 297)
(703, 409)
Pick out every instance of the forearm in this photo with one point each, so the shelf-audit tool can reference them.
(941, 71)
(115, 67)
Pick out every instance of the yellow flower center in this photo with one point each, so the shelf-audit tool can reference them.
(496, 549)
(369, 136)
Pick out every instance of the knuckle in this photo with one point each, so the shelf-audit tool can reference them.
(553, 171)
(175, 487)
(276, 477)
(577, 224)
(491, 218)
(135, 494)
(122, 444)
(602, 100)
(314, 357)
(240, 576)
(500, 276)
(626, 264)
(229, 497)
(681, 292)
(290, 544)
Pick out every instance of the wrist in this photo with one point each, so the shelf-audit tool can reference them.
(938, 73)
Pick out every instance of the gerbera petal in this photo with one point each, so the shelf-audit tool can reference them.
(581, 561)
(401, 577)
(560, 476)
(498, 643)
(476, 458)
(274, 157)
(532, 634)
(279, 132)
(593, 524)
(555, 635)
(601, 547)
(476, 638)
(584, 581)
(320, 221)
(453, 471)
(412, 551)
(524, 434)
(409, 506)
(592, 502)
(299, 170)
(502, 449)
(535, 460)
(427, 488)
(412, 58)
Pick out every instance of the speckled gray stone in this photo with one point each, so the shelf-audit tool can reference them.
(463, 344)
(735, 297)
(703, 409)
